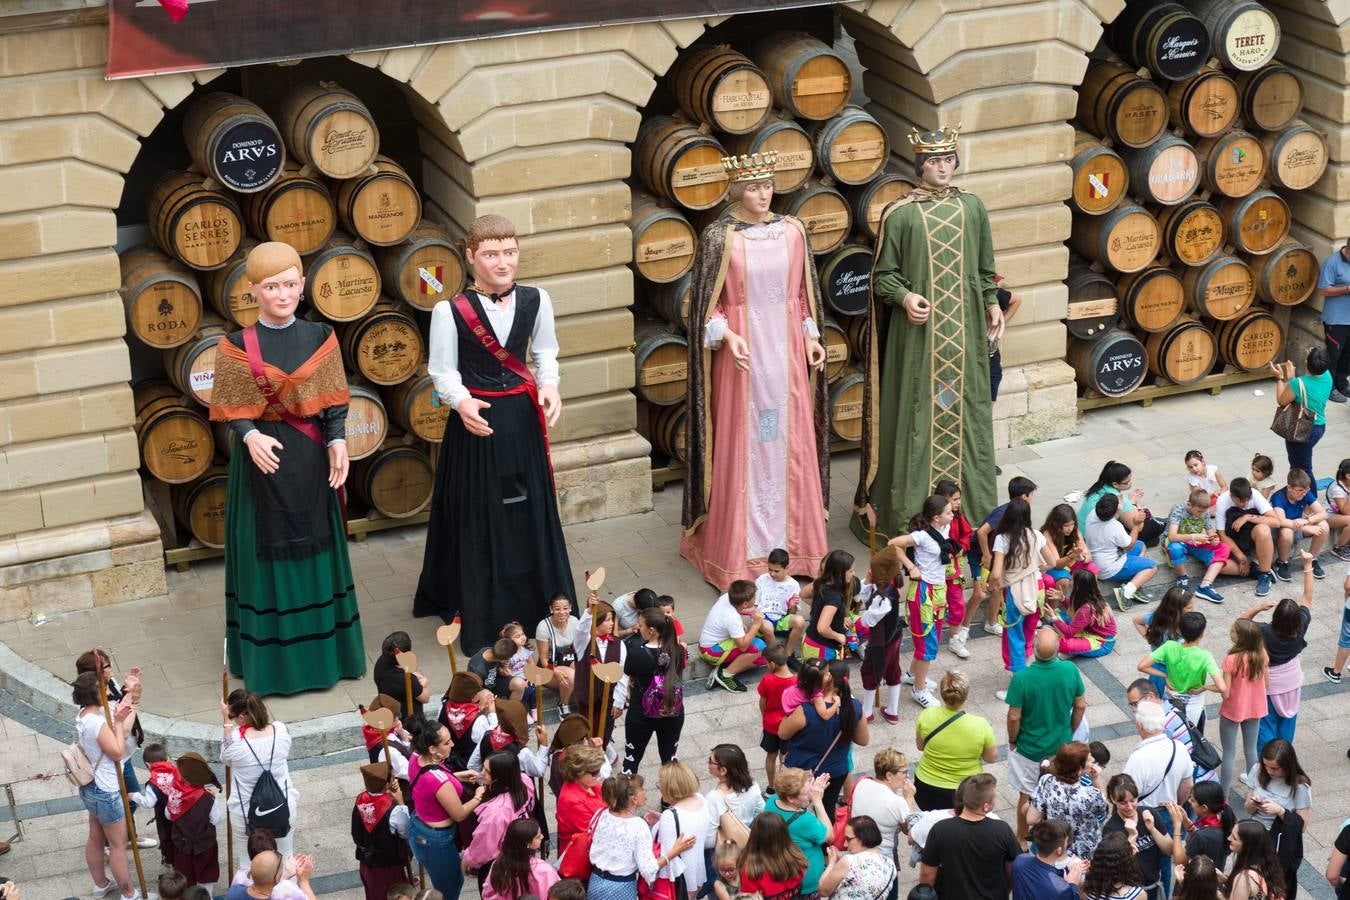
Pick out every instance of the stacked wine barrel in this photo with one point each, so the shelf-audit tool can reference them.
(312, 177)
(786, 93)
(1189, 140)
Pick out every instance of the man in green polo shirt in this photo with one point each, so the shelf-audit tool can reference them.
(1045, 705)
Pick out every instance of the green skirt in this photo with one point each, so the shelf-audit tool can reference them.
(292, 625)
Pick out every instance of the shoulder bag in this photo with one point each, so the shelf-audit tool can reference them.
(1294, 420)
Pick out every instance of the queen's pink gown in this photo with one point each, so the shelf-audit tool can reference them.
(766, 489)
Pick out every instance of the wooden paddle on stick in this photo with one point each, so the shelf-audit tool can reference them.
(539, 676)
(407, 661)
(609, 673)
(382, 720)
(594, 581)
(121, 777)
(446, 636)
(225, 698)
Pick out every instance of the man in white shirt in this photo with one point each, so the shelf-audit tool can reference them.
(1174, 726)
(1160, 766)
(495, 550)
(1246, 518)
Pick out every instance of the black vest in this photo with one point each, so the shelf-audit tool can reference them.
(380, 847)
(480, 369)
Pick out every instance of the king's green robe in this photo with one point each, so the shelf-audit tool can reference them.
(934, 414)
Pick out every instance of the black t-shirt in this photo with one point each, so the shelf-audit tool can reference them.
(484, 669)
(1147, 853)
(1281, 648)
(828, 597)
(1343, 846)
(970, 858)
(389, 680)
(1209, 842)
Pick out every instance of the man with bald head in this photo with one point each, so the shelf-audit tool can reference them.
(266, 871)
(1045, 704)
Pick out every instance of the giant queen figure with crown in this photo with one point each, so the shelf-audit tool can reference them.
(757, 430)
(929, 416)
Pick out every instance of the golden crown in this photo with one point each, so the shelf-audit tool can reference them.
(751, 166)
(943, 141)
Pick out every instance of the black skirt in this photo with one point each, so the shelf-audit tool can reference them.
(495, 550)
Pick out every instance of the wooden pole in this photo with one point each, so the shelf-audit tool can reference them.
(407, 693)
(121, 781)
(604, 712)
(229, 827)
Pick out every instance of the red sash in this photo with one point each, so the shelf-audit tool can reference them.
(513, 365)
(304, 426)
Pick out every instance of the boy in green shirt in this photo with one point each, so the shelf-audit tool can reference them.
(1191, 669)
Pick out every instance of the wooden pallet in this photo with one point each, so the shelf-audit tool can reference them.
(674, 471)
(357, 529)
(1146, 395)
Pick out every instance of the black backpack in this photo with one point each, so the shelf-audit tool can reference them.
(269, 806)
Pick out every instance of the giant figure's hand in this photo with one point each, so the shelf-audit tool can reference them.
(917, 308)
(261, 449)
(550, 400)
(739, 349)
(469, 409)
(337, 464)
(995, 322)
(815, 355)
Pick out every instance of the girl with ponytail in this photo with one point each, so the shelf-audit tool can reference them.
(654, 669)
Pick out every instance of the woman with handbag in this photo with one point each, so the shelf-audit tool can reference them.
(955, 744)
(579, 799)
(103, 746)
(823, 743)
(621, 844)
(732, 804)
(436, 806)
(1302, 417)
(686, 812)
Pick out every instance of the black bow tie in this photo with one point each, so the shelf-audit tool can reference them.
(496, 298)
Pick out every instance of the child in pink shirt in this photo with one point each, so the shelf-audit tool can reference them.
(1244, 703)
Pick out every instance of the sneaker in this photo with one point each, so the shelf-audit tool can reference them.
(1331, 675)
(1263, 583)
(1184, 582)
(924, 698)
(1318, 571)
(148, 843)
(1338, 397)
(1001, 696)
(1281, 570)
(993, 628)
(958, 646)
(1341, 552)
(928, 683)
(104, 891)
(1122, 602)
(730, 682)
(871, 718)
(1245, 779)
(794, 664)
(1207, 591)
(890, 717)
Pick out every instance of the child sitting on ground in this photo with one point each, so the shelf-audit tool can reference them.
(1189, 533)
(726, 642)
(1338, 511)
(1301, 517)
(517, 662)
(1189, 666)
(1200, 474)
(490, 665)
(1090, 629)
(1249, 522)
(777, 595)
(1263, 476)
(1071, 551)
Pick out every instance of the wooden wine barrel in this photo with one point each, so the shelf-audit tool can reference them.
(1112, 365)
(721, 88)
(296, 209)
(192, 366)
(823, 211)
(1244, 34)
(1152, 299)
(330, 129)
(1192, 232)
(796, 156)
(852, 147)
(668, 430)
(1183, 354)
(1205, 104)
(234, 141)
(846, 405)
(662, 357)
(1126, 238)
(227, 288)
(367, 422)
(701, 219)
(380, 207)
(385, 346)
(1287, 275)
(678, 162)
(417, 408)
(1100, 178)
(845, 277)
(1257, 223)
(663, 240)
(1222, 289)
(1272, 96)
(835, 341)
(1093, 302)
(1166, 172)
(1164, 37)
(1115, 102)
(195, 225)
(1233, 164)
(175, 439)
(806, 76)
(1295, 157)
(1251, 341)
(342, 280)
(868, 201)
(856, 329)
(671, 300)
(200, 506)
(160, 295)
(424, 269)
(397, 481)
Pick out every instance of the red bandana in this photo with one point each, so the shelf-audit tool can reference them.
(460, 716)
(499, 739)
(181, 795)
(371, 736)
(1206, 822)
(372, 808)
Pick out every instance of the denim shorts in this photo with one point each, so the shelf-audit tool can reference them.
(1344, 642)
(106, 806)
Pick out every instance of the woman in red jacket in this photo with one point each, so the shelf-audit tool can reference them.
(579, 799)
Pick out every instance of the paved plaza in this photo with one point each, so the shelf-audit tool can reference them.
(177, 641)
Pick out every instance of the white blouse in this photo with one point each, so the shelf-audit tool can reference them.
(698, 822)
(249, 757)
(443, 360)
(622, 846)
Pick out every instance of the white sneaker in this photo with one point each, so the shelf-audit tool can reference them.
(924, 698)
(993, 629)
(103, 891)
(1001, 696)
(908, 678)
(146, 843)
(958, 646)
